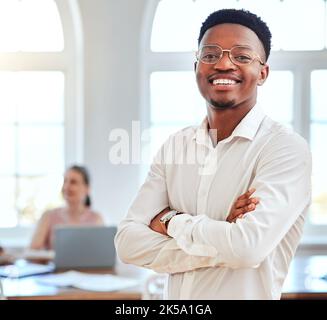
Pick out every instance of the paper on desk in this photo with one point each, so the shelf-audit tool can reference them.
(87, 281)
(22, 268)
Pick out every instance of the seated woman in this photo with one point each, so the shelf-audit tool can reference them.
(77, 211)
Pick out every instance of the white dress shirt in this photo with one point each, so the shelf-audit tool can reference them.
(206, 256)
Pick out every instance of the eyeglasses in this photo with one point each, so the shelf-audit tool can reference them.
(239, 55)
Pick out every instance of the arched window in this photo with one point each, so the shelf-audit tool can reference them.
(294, 93)
(39, 93)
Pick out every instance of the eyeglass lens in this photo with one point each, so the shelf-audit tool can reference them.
(238, 55)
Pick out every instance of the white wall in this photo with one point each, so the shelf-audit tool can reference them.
(112, 33)
(112, 30)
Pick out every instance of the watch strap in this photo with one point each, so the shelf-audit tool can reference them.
(164, 220)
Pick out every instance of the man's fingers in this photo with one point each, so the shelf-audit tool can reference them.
(244, 202)
(240, 212)
(238, 217)
(243, 205)
(236, 213)
(255, 200)
(246, 195)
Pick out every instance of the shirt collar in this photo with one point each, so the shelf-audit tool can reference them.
(249, 125)
(247, 128)
(201, 135)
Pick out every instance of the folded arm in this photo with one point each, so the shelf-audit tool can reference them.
(282, 182)
(138, 244)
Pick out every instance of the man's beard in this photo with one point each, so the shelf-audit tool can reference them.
(222, 105)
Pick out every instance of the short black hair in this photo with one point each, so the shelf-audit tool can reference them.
(242, 17)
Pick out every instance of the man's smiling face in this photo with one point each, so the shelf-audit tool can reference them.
(226, 85)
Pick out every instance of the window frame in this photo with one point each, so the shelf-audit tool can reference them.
(300, 63)
(70, 61)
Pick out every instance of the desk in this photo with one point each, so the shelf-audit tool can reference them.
(303, 280)
(28, 288)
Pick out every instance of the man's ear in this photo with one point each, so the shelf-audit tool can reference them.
(195, 65)
(263, 75)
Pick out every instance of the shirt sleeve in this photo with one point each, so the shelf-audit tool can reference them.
(137, 244)
(282, 180)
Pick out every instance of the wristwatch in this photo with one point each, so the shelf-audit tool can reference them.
(166, 218)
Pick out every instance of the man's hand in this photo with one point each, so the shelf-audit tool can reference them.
(155, 222)
(242, 205)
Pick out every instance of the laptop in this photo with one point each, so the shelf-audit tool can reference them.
(84, 247)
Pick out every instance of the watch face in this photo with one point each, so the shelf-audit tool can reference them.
(162, 219)
(166, 217)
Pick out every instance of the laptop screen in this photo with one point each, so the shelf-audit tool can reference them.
(84, 247)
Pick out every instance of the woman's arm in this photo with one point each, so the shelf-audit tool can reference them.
(41, 233)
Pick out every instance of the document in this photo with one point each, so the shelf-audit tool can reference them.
(23, 268)
(88, 281)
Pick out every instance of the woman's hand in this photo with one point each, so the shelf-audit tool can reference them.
(242, 205)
